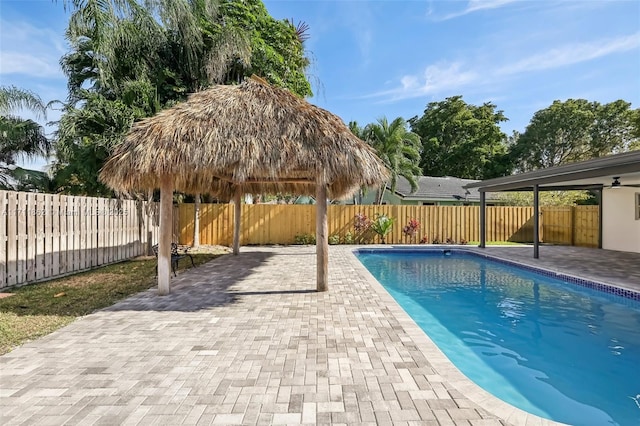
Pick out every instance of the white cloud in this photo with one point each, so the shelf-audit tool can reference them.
(447, 77)
(437, 78)
(572, 54)
(30, 51)
(28, 64)
(476, 5)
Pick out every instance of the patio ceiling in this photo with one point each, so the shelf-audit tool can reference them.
(590, 174)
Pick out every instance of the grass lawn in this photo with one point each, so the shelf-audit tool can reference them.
(35, 310)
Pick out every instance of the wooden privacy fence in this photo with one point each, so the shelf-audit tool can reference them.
(568, 225)
(280, 224)
(43, 235)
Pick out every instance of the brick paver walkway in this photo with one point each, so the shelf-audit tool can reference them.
(247, 340)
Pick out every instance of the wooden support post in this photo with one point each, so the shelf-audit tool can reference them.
(166, 230)
(483, 219)
(237, 207)
(196, 222)
(322, 238)
(536, 222)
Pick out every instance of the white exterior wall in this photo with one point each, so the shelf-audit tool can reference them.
(620, 229)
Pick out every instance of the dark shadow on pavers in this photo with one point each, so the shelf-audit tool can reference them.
(205, 287)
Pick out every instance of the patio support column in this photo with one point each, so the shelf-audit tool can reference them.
(322, 238)
(166, 231)
(536, 222)
(237, 208)
(600, 210)
(483, 219)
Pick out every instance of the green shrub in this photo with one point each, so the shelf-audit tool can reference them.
(304, 239)
(334, 239)
(382, 225)
(348, 238)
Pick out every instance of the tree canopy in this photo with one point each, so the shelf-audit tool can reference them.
(130, 59)
(575, 130)
(462, 140)
(547, 198)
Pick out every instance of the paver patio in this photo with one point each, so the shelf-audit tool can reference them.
(247, 340)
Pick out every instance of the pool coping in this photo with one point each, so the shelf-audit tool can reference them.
(439, 361)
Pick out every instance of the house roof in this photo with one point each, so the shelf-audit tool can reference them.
(579, 175)
(445, 188)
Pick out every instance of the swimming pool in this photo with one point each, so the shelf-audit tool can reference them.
(554, 349)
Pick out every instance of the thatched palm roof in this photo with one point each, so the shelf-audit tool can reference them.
(262, 138)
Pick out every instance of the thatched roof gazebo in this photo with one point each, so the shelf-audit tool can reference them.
(248, 138)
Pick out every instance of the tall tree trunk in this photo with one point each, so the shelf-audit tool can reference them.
(196, 223)
(380, 194)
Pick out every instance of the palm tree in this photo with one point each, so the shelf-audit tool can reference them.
(19, 138)
(13, 98)
(398, 148)
(178, 46)
(129, 59)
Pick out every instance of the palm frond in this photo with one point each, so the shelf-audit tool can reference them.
(13, 98)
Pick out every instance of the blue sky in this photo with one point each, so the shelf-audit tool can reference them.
(391, 58)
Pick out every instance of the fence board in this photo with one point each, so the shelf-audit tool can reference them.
(280, 224)
(41, 232)
(63, 235)
(55, 234)
(557, 225)
(73, 227)
(586, 232)
(101, 252)
(48, 236)
(3, 237)
(91, 215)
(43, 235)
(27, 237)
(12, 238)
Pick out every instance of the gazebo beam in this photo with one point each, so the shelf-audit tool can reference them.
(283, 180)
(263, 180)
(322, 238)
(166, 231)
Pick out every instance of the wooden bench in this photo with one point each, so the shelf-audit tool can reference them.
(177, 253)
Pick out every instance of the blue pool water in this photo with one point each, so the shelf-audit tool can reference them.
(555, 349)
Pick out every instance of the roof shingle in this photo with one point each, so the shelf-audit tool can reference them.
(446, 188)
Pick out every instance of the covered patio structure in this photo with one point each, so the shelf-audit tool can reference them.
(247, 138)
(616, 178)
